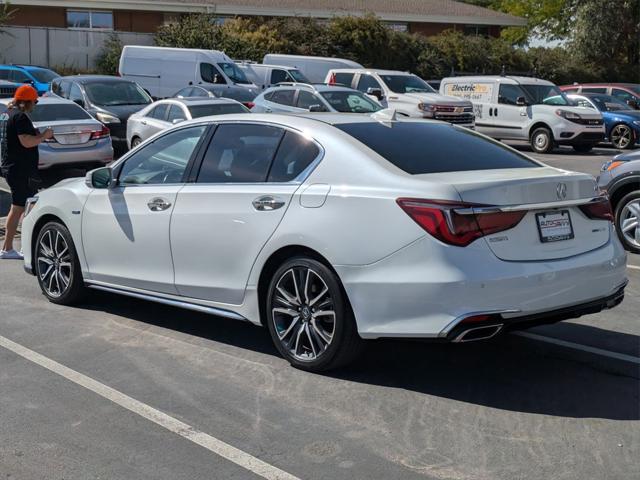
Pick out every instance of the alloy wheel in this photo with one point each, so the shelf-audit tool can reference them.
(54, 263)
(303, 313)
(630, 222)
(621, 136)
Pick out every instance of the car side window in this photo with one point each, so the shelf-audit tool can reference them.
(4, 74)
(283, 97)
(18, 76)
(594, 89)
(508, 94)
(160, 112)
(75, 93)
(366, 82)
(306, 99)
(294, 155)
(240, 153)
(344, 78)
(211, 74)
(584, 103)
(176, 114)
(185, 92)
(622, 95)
(64, 89)
(278, 76)
(163, 161)
(269, 96)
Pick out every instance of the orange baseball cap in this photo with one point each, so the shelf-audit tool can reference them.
(26, 93)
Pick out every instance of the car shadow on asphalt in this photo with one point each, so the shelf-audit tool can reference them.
(505, 373)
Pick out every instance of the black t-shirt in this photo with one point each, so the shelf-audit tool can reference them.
(19, 160)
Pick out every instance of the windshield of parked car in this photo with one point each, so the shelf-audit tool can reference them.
(232, 71)
(42, 75)
(58, 112)
(406, 84)
(110, 94)
(350, 102)
(419, 147)
(198, 111)
(545, 95)
(607, 103)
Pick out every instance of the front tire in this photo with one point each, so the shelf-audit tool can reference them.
(542, 140)
(135, 141)
(622, 136)
(309, 317)
(627, 217)
(57, 266)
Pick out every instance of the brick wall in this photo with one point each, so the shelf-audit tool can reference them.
(39, 17)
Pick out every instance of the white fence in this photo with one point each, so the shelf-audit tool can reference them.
(58, 47)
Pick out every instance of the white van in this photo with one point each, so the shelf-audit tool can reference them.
(529, 109)
(314, 68)
(407, 94)
(163, 71)
(265, 76)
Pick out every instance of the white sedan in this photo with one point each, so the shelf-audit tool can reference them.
(332, 229)
(163, 114)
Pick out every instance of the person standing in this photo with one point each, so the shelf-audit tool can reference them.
(19, 165)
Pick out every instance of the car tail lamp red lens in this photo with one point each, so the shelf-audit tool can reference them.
(104, 133)
(600, 210)
(249, 105)
(441, 220)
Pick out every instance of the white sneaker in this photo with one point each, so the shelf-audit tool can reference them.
(10, 255)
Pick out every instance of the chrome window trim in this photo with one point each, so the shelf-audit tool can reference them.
(528, 206)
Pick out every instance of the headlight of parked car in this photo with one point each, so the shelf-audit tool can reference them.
(31, 203)
(107, 118)
(428, 109)
(571, 116)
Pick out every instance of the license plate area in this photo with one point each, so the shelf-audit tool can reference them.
(554, 226)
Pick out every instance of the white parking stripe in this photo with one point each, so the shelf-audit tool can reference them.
(633, 267)
(243, 459)
(578, 346)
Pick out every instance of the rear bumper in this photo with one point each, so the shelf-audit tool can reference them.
(423, 290)
(100, 153)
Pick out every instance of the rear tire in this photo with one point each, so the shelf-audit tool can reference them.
(309, 317)
(583, 148)
(57, 267)
(542, 140)
(627, 216)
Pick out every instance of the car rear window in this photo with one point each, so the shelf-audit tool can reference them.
(57, 112)
(421, 147)
(198, 111)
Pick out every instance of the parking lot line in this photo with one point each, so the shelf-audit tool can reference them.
(578, 346)
(224, 450)
(633, 267)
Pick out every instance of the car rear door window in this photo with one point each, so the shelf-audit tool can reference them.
(4, 74)
(294, 155)
(306, 99)
(418, 148)
(366, 82)
(240, 153)
(283, 97)
(18, 76)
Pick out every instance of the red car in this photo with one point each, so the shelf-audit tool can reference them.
(627, 92)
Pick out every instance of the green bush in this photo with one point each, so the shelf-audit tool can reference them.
(109, 59)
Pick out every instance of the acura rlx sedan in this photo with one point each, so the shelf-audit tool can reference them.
(333, 228)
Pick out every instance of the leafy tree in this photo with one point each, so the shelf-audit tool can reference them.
(192, 31)
(6, 12)
(109, 58)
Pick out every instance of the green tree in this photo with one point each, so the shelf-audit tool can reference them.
(192, 31)
(6, 12)
(109, 58)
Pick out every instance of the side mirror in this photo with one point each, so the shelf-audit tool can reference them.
(317, 108)
(175, 121)
(521, 102)
(376, 92)
(100, 178)
(79, 102)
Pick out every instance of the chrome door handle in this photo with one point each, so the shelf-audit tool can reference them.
(267, 203)
(158, 205)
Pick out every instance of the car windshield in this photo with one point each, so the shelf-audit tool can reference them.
(545, 95)
(419, 147)
(42, 75)
(198, 111)
(607, 103)
(55, 112)
(232, 71)
(350, 102)
(298, 76)
(406, 84)
(116, 93)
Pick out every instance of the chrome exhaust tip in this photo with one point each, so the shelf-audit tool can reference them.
(478, 333)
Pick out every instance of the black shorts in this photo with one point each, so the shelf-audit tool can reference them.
(20, 188)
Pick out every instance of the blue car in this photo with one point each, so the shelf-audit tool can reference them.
(39, 77)
(622, 122)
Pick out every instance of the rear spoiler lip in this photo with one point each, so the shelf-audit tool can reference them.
(529, 206)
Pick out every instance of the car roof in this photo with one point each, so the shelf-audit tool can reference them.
(604, 84)
(318, 87)
(489, 78)
(198, 100)
(369, 70)
(93, 78)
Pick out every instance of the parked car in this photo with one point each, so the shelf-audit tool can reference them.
(39, 77)
(313, 68)
(270, 218)
(303, 97)
(7, 89)
(620, 179)
(162, 71)
(406, 93)
(163, 114)
(621, 122)
(79, 140)
(111, 100)
(266, 76)
(209, 91)
(527, 109)
(629, 93)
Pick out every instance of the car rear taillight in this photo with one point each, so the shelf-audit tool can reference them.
(104, 133)
(598, 210)
(249, 105)
(442, 220)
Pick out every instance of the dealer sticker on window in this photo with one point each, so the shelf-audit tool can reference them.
(554, 226)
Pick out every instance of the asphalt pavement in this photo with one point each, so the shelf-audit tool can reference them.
(118, 388)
